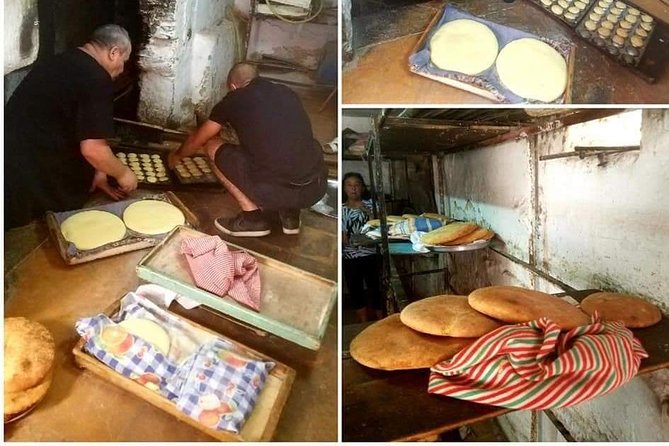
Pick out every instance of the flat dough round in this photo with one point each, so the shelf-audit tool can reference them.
(633, 311)
(532, 69)
(447, 315)
(517, 305)
(29, 353)
(465, 46)
(388, 344)
(17, 403)
(92, 229)
(149, 331)
(152, 217)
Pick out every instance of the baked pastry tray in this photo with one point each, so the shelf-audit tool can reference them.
(295, 304)
(260, 426)
(486, 84)
(132, 241)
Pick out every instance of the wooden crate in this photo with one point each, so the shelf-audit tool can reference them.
(295, 304)
(260, 425)
(127, 244)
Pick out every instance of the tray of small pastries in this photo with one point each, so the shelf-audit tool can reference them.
(617, 28)
(150, 167)
(88, 234)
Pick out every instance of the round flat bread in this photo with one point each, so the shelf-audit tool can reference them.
(388, 344)
(29, 353)
(516, 305)
(447, 315)
(465, 46)
(149, 331)
(478, 234)
(92, 229)
(532, 69)
(152, 217)
(633, 311)
(18, 403)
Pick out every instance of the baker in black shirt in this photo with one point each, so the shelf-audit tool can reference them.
(56, 125)
(278, 165)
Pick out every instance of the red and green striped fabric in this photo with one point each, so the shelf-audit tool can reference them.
(535, 366)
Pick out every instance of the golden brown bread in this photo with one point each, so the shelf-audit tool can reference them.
(447, 315)
(28, 353)
(388, 344)
(478, 234)
(18, 403)
(515, 305)
(448, 233)
(633, 311)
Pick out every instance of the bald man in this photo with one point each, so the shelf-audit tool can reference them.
(56, 126)
(278, 166)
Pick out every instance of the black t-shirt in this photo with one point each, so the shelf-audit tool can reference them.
(61, 102)
(273, 126)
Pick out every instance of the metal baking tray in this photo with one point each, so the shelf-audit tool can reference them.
(473, 246)
(132, 241)
(487, 83)
(295, 304)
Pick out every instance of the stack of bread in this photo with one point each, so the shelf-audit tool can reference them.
(434, 329)
(457, 233)
(28, 361)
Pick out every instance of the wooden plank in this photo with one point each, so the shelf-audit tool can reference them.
(260, 426)
(299, 316)
(389, 406)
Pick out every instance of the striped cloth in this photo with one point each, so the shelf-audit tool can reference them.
(220, 271)
(411, 225)
(535, 366)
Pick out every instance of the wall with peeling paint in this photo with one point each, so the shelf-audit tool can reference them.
(21, 33)
(585, 222)
(192, 45)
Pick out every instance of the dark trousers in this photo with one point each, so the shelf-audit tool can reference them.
(364, 270)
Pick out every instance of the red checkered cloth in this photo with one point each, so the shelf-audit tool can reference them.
(221, 271)
(535, 366)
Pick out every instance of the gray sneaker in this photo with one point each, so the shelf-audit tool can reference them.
(245, 224)
(290, 221)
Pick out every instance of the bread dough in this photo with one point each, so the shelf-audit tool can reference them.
(152, 217)
(465, 46)
(149, 331)
(532, 69)
(92, 229)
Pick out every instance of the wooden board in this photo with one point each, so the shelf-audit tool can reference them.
(260, 426)
(566, 97)
(295, 304)
(133, 242)
(393, 406)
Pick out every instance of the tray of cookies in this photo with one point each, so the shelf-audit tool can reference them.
(88, 234)
(616, 28)
(152, 170)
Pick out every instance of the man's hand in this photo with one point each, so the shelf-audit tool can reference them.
(127, 181)
(173, 159)
(100, 182)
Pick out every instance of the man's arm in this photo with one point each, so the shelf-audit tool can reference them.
(99, 155)
(194, 141)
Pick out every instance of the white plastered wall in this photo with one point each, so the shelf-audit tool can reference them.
(590, 225)
(192, 46)
(21, 34)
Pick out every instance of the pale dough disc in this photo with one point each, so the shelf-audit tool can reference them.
(152, 216)
(149, 331)
(92, 229)
(532, 69)
(464, 46)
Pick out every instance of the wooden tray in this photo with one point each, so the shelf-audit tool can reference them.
(476, 89)
(295, 304)
(131, 242)
(260, 426)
